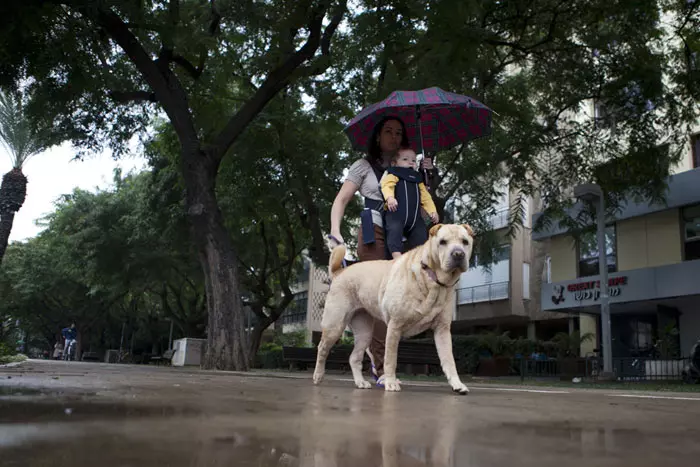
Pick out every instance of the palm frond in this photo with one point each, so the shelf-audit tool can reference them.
(17, 133)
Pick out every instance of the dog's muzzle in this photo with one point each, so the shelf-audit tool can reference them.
(458, 259)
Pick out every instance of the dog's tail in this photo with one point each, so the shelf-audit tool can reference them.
(335, 265)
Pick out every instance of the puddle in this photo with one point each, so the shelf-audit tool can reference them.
(18, 391)
(68, 410)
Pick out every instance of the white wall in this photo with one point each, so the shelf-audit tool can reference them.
(500, 272)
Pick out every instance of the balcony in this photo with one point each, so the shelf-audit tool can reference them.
(483, 293)
(500, 219)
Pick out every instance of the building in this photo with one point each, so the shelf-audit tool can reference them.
(653, 254)
(505, 296)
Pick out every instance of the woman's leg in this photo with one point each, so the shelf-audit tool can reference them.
(371, 252)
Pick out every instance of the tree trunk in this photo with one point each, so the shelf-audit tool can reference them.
(226, 341)
(6, 220)
(255, 339)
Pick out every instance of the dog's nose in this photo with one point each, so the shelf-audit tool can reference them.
(458, 254)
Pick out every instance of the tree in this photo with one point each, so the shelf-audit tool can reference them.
(23, 141)
(275, 199)
(115, 257)
(540, 66)
(175, 54)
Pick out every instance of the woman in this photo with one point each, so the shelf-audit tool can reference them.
(388, 136)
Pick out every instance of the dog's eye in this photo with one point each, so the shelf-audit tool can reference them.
(443, 242)
(465, 242)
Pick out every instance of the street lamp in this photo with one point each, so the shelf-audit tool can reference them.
(591, 193)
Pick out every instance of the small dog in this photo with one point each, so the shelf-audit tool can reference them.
(411, 294)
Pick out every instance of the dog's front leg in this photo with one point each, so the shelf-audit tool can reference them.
(391, 350)
(443, 343)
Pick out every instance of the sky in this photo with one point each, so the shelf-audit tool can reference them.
(54, 173)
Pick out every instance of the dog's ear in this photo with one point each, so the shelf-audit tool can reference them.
(469, 229)
(434, 229)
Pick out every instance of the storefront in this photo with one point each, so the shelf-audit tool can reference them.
(644, 304)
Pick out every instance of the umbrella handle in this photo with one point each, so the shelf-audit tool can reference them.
(422, 150)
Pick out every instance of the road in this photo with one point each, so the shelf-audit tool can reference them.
(63, 414)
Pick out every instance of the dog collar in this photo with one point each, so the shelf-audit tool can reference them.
(434, 277)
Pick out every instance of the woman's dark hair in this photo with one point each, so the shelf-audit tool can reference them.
(374, 152)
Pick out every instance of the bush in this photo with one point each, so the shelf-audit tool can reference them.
(6, 350)
(269, 356)
(291, 339)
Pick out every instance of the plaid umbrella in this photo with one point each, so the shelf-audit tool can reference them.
(435, 119)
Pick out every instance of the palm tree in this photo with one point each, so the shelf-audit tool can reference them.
(22, 141)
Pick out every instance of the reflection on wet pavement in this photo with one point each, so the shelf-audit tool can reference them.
(277, 422)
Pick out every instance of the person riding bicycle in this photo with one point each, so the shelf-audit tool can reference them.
(70, 334)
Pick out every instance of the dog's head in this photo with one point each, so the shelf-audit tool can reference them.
(449, 247)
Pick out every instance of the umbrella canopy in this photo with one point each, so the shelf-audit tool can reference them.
(435, 119)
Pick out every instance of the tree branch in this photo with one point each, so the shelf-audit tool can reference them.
(129, 96)
(194, 72)
(168, 90)
(215, 19)
(277, 79)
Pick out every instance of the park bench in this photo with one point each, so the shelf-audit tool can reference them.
(301, 357)
(90, 357)
(414, 357)
(166, 358)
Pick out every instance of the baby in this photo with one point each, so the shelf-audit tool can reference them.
(405, 193)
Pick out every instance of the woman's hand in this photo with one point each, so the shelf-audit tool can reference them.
(435, 218)
(392, 204)
(427, 163)
(336, 237)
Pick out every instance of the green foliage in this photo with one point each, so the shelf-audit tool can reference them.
(117, 257)
(291, 339)
(17, 131)
(667, 342)
(569, 345)
(5, 350)
(346, 340)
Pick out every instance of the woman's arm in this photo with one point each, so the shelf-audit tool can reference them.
(347, 191)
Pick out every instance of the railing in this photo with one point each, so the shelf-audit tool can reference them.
(624, 369)
(499, 219)
(483, 293)
(293, 318)
(648, 368)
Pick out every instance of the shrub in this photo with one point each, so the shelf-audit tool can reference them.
(269, 356)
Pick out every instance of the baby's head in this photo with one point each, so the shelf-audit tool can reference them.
(406, 157)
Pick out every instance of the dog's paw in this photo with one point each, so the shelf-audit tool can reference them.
(318, 377)
(392, 385)
(362, 384)
(460, 388)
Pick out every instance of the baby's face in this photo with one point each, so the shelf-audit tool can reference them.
(406, 158)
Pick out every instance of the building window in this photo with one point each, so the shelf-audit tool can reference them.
(691, 221)
(638, 335)
(695, 147)
(501, 253)
(296, 311)
(588, 252)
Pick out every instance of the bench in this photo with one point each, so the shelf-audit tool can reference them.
(418, 355)
(90, 357)
(166, 358)
(301, 357)
(412, 356)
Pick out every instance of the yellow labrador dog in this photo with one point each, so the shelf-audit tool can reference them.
(411, 294)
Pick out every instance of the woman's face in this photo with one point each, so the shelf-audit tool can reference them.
(390, 136)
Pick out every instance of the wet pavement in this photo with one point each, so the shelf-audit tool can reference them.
(79, 414)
